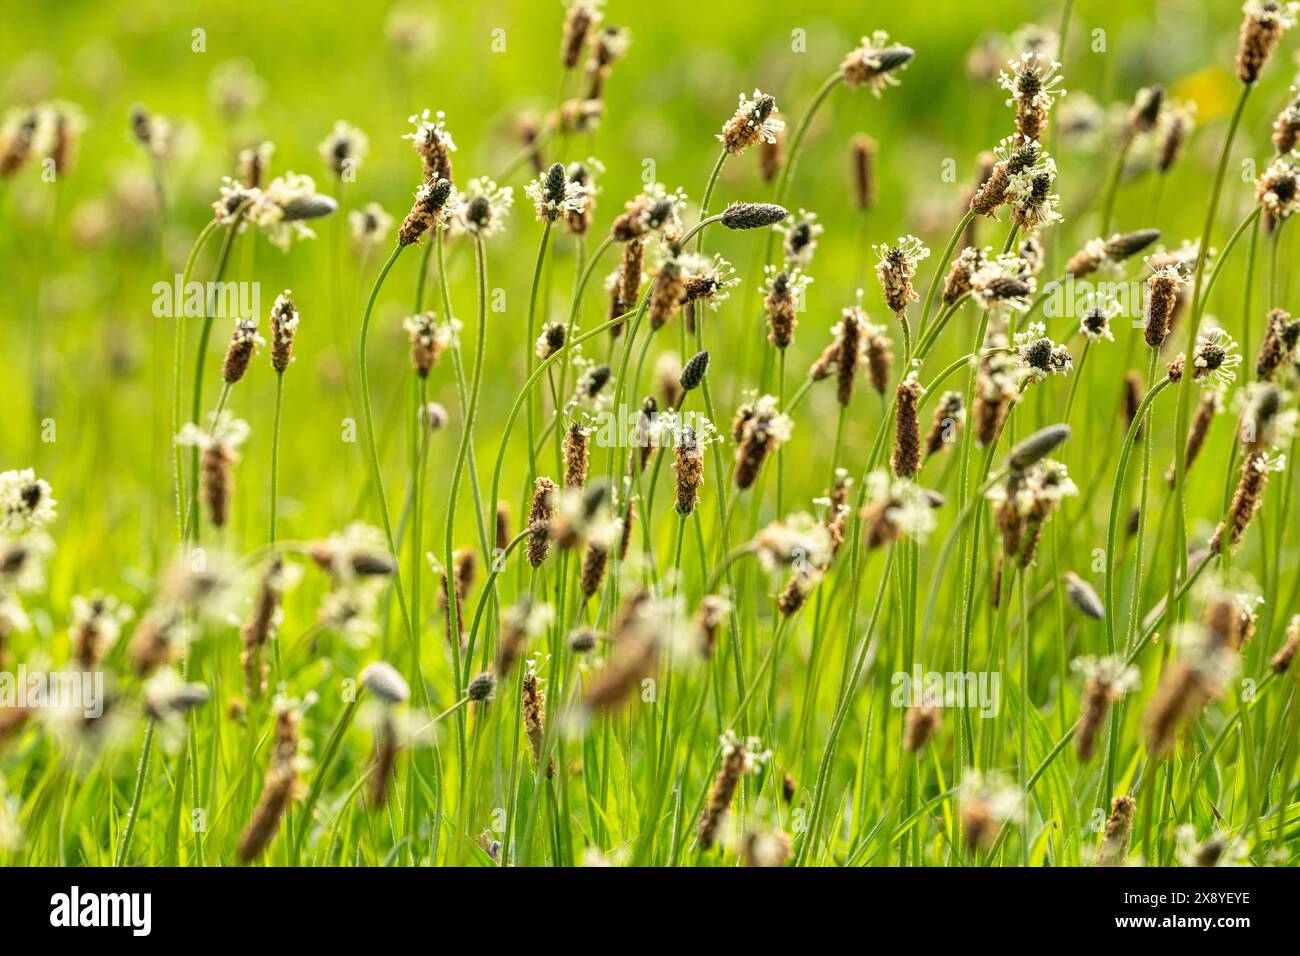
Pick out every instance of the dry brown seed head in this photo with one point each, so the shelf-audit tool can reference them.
(907, 428)
(864, 171)
(921, 725)
(1119, 832)
(1262, 28)
(539, 517)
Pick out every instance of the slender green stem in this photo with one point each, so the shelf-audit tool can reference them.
(178, 475)
(376, 473)
(141, 780)
(1193, 327)
(196, 400)
(275, 452)
(708, 194)
(940, 270)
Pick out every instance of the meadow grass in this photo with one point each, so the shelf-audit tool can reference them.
(410, 615)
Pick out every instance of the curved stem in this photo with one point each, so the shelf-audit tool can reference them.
(801, 130)
(376, 474)
(467, 429)
(941, 268)
(708, 193)
(141, 777)
(177, 360)
(275, 453)
(1112, 186)
(1193, 327)
(318, 783)
(531, 355)
(196, 401)
(1115, 504)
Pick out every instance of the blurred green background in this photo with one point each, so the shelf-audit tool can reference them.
(90, 238)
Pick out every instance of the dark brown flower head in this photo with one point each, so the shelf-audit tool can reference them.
(645, 430)
(551, 340)
(1034, 85)
(949, 416)
(280, 788)
(783, 298)
(433, 144)
(502, 536)
(583, 640)
(593, 381)
(863, 155)
(244, 343)
(1013, 159)
(1264, 420)
(1034, 205)
(625, 288)
(1145, 112)
(754, 122)
(895, 268)
(539, 518)
(576, 440)
(1265, 22)
(712, 612)
(16, 139)
(1281, 338)
(799, 238)
(771, 155)
(1094, 324)
(1282, 660)
(758, 429)
(64, 122)
(217, 459)
(1286, 128)
(594, 561)
(1278, 190)
(957, 282)
(907, 427)
(996, 390)
(874, 61)
(1162, 299)
(284, 326)
(607, 47)
(653, 210)
(1246, 500)
(359, 551)
(481, 688)
(428, 340)
(920, 726)
(1230, 617)
(428, 212)
(706, 281)
(1118, 834)
(534, 711)
(1206, 409)
(1039, 356)
(667, 294)
(579, 222)
(582, 17)
(1174, 127)
(688, 463)
(738, 758)
(1084, 597)
(141, 125)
